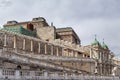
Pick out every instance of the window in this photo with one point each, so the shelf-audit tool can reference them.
(30, 27)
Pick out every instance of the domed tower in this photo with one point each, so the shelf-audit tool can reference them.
(96, 43)
(104, 46)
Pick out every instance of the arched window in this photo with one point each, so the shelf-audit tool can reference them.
(30, 26)
(19, 67)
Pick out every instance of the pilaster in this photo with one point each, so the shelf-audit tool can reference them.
(39, 47)
(15, 42)
(5, 40)
(24, 43)
(31, 45)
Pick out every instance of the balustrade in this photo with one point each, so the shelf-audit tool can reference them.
(35, 45)
(28, 74)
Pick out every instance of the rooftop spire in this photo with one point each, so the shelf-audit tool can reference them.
(103, 40)
(95, 37)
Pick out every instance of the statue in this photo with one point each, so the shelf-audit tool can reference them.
(114, 70)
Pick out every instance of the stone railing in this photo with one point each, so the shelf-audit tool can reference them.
(13, 74)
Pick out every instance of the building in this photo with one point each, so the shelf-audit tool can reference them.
(116, 70)
(102, 56)
(37, 46)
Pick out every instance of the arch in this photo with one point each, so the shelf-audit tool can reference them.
(18, 67)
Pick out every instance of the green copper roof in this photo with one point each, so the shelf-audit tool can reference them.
(104, 46)
(20, 30)
(95, 43)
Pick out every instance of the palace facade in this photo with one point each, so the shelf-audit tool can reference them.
(36, 45)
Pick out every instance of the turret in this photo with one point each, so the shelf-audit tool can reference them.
(96, 42)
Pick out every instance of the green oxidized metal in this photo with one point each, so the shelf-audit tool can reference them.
(96, 43)
(104, 46)
(20, 30)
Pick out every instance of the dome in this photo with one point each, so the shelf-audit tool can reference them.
(104, 46)
(95, 43)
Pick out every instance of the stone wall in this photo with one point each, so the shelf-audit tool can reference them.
(46, 33)
(34, 46)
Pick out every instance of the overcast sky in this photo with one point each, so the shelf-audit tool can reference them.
(86, 17)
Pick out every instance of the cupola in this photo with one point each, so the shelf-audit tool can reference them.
(104, 45)
(96, 42)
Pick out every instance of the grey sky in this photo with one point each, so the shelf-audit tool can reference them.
(86, 17)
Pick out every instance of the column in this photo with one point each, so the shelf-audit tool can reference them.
(73, 53)
(31, 45)
(5, 40)
(14, 41)
(45, 48)
(24, 44)
(68, 53)
(109, 70)
(51, 49)
(76, 54)
(62, 52)
(100, 57)
(57, 51)
(96, 67)
(101, 68)
(39, 47)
